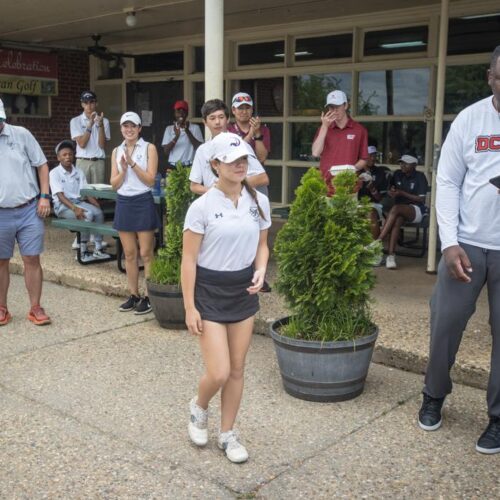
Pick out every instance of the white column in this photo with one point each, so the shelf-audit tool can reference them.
(214, 49)
(438, 131)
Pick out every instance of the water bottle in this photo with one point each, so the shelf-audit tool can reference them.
(157, 185)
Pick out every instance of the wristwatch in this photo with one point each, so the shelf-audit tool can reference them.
(258, 137)
(45, 196)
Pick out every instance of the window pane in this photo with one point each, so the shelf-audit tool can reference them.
(275, 177)
(199, 59)
(276, 130)
(309, 91)
(302, 139)
(166, 61)
(294, 176)
(110, 100)
(267, 94)
(323, 47)
(111, 70)
(199, 98)
(393, 139)
(469, 36)
(261, 53)
(393, 92)
(396, 41)
(25, 105)
(464, 85)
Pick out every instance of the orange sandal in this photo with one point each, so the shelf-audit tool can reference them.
(5, 316)
(37, 316)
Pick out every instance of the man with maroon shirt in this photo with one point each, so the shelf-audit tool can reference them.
(340, 140)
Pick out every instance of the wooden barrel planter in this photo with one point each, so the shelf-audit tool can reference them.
(323, 371)
(167, 304)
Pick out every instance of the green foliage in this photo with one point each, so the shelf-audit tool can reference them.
(325, 254)
(166, 267)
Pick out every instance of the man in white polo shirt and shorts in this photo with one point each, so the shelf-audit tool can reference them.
(90, 130)
(215, 115)
(23, 206)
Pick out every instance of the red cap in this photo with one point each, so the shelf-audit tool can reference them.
(181, 105)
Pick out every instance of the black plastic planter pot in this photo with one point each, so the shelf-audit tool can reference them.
(167, 304)
(323, 371)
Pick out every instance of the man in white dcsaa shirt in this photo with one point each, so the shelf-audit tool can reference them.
(468, 213)
(216, 117)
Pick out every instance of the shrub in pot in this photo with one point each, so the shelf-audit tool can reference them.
(164, 280)
(324, 255)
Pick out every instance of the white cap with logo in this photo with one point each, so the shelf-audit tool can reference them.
(408, 159)
(241, 98)
(336, 98)
(371, 150)
(130, 116)
(228, 147)
(2, 111)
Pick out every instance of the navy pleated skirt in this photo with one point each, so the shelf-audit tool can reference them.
(222, 296)
(136, 213)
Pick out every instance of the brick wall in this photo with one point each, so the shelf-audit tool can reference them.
(73, 76)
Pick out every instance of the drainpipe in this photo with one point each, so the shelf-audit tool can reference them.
(438, 131)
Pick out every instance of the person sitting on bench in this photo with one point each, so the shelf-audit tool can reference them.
(409, 190)
(66, 180)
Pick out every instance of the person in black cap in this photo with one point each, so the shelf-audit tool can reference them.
(90, 130)
(66, 181)
(409, 190)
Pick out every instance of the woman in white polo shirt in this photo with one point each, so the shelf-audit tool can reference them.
(224, 263)
(133, 169)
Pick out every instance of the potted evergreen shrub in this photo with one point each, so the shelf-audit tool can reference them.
(324, 255)
(164, 281)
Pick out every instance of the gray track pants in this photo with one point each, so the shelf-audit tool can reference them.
(452, 304)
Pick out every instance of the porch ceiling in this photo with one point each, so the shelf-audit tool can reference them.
(70, 24)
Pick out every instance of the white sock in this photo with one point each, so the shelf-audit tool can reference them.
(83, 247)
(98, 245)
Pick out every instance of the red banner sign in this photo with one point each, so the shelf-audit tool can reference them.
(32, 64)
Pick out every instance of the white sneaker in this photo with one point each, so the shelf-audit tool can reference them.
(197, 428)
(74, 245)
(229, 442)
(100, 255)
(390, 262)
(86, 257)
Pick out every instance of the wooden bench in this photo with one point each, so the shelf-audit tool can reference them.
(78, 226)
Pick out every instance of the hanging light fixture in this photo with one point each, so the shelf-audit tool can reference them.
(131, 19)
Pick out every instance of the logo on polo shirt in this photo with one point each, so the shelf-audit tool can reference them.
(351, 137)
(254, 212)
(220, 214)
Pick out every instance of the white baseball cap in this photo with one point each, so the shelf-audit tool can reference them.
(228, 147)
(336, 98)
(371, 150)
(241, 98)
(408, 159)
(2, 111)
(130, 116)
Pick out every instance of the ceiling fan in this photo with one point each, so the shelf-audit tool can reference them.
(102, 52)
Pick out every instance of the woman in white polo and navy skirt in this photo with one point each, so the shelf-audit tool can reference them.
(133, 169)
(224, 263)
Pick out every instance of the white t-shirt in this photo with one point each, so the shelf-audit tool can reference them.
(67, 183)
(201, 172)
(77, 126)
(20, 155)
(132, 185)
(231, 234)
(183, 150)
(467, 205)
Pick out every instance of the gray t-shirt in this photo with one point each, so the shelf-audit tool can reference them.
(20, 154)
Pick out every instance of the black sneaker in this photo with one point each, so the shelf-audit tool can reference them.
(144, 306)
(131, 303)
(429, 416)
(489, 442)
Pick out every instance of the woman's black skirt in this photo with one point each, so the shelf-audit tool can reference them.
(222, 296)
(136, 213)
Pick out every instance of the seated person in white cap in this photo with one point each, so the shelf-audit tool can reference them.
(66, 181)
(375, 188)
(409, 190)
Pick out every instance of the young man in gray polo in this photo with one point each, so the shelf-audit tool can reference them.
(23, 206)
(90, 130)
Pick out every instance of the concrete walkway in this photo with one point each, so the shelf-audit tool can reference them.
(95, 406)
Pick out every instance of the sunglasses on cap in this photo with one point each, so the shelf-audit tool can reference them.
(242, 98)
